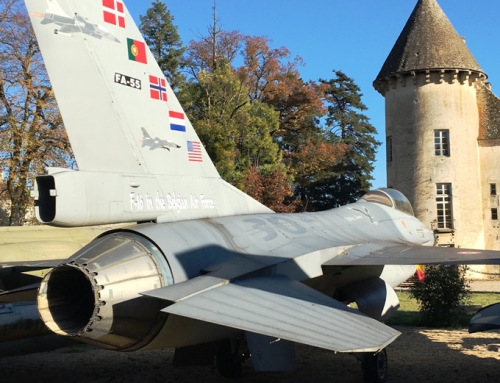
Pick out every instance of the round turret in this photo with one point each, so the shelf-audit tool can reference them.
(430, 81)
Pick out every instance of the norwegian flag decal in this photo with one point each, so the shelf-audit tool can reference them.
(158, 88)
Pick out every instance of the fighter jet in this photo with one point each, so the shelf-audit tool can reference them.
(207, 270)
(155, 143)
(69, 25)
(77, 24)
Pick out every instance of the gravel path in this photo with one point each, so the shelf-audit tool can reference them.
(490, 286)
(418, 355)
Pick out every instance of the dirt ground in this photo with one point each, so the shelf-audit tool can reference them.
(418, 355)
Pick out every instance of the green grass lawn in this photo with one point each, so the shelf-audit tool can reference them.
(408, 313)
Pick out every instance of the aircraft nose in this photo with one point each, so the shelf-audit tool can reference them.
(429, 238)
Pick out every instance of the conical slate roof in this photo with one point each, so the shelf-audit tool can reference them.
(428, 41)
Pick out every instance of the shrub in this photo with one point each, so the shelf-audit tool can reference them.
(441, 294)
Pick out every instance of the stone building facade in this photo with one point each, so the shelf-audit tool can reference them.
(443, 132)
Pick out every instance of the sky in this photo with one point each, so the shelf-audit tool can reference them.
(354, 36)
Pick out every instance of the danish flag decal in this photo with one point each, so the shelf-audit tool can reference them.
(114, 12)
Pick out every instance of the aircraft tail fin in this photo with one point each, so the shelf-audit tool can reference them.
(139, 157)
(54, 7)
(110, 90)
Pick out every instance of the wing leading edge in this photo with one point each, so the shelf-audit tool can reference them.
(279, 307)
(391, 253)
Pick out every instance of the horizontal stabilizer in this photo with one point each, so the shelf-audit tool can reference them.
(22, 294)
(397, 254)
(217, 275)
(44, 254)
(33, 265)
(279, 307)
(183, 290)
(43, 246)
(488, 318)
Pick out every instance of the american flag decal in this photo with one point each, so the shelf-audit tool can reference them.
(114, 12)
(158, 88)
(194, 151)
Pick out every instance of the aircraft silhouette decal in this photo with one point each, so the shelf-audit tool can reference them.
(73, 24)
(156, 143)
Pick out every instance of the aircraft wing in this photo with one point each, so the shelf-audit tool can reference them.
(488, 318)
(67, 28)
(21, 294)
(279, 307)
(26, 251)
(37, 254)
(43, 246)
(390, 253)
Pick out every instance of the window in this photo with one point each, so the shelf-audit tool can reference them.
(389, 149)
(494, 214)
(444, 206)
(442, 142)
(493, 190)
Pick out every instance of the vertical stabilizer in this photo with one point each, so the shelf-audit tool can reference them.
(110, 89)
(54, 7)
(138, 155)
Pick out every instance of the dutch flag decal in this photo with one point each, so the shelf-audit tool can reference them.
(177, 121)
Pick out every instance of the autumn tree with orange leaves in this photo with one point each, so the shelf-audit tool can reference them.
(269, 79)
(271, 186)
(235, 129)
(32, 134)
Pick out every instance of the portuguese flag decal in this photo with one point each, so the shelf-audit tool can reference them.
(137, 51)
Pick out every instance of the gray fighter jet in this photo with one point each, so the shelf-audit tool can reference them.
(156, 143)
(209, 271)
(77, 24)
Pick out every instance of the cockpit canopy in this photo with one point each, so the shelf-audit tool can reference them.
(391, 198)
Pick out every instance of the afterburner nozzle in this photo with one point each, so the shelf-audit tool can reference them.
(94, 296)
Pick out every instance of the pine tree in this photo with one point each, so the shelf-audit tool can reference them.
(164, 40)
(350, 177)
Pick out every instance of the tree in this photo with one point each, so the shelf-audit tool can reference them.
(236, 129)
(272, 77)
(269, 75)
(326, 166)
(164, 40)
(32, 134)
(349, 178)
(235, 132)
(441, 293)
(312, 162)
(270, 185)
(218, 46)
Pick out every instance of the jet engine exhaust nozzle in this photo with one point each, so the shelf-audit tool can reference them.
(95, 296)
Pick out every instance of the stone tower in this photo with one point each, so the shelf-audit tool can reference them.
(442, 130)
